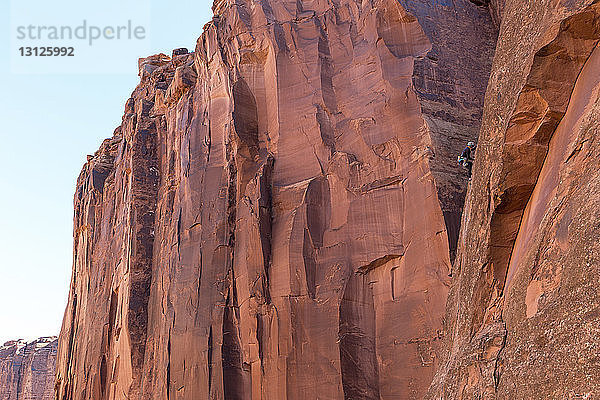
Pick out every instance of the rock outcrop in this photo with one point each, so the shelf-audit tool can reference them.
(276, 216)
(27, 369)
(523, 314)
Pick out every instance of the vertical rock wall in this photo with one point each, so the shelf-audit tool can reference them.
(276, 215)
(521, 319)
(27, 369)
(448, 88)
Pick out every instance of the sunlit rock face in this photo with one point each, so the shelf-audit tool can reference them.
(522, 320)
(27, 369)
(276, 216)
(280, 210)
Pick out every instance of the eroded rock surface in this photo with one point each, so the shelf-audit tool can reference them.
(523, 317)
(27, 369)
(276, 216)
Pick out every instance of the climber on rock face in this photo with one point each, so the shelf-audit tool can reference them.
(466, 158)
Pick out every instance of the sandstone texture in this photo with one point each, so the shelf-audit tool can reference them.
(280, 214)
(27, 369)
(277, 214)
(523, 311)
(496, 8)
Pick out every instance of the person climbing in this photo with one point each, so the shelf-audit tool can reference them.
(466, 158)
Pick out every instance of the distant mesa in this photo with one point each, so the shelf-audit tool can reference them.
(27, 369)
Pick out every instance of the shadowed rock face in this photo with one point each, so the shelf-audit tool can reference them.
(496, 8)
(522, 319)
(276, 215)
(27, 369)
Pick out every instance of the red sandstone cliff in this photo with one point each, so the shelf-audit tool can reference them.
(27, 369)
(523, 314)
(276, 216)
(278, 212)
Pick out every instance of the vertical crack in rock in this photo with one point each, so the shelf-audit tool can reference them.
(327, 131)
(358, 354)
(210, 359)
(243, 148)
(103, 373)
(260, 338)
(234, 386)
(327, 89)
(265, 221)
(179, 233)
(112, 314)
(318, 214)
(245, 118)
(168, 372)
(144, 183)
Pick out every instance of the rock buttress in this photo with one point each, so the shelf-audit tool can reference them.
(270, 220)
(105, 326)
(27, 369)
(521, 322)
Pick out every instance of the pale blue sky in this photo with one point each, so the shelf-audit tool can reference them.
(49, 123)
